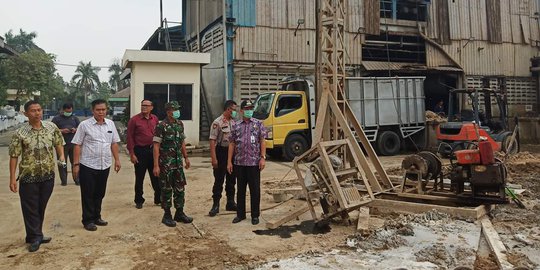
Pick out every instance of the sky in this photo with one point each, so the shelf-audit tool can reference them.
(98, 31)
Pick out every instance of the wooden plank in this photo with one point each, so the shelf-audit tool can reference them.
(321, 115)
(495, 243)
(363, 219)
(418, 208)
(372, 17)
(368, 173)
(494, 29)
(287, 218)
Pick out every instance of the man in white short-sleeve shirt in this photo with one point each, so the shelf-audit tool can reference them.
(96, 144)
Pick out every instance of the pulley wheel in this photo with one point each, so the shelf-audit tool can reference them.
(434, 163)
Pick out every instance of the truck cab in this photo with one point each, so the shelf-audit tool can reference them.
(287, 114)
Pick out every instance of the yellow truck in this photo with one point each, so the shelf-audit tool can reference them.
(389, 109)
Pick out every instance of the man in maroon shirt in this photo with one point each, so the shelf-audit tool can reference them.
(139, 143)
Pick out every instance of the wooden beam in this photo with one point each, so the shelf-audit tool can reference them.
(367, 146)
(287, 218)
(495, 243)
(363, 219)
(368, 173)
(386, 205)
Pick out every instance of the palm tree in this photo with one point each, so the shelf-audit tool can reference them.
(114, 80)
(86, 79)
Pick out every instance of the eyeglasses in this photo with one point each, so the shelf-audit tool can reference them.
(144, 105)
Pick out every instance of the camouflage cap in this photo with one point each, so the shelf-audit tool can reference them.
(173, 105)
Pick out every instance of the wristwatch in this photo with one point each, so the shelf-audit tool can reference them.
(263, 157)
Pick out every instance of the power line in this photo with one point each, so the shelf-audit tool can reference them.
(73, 65)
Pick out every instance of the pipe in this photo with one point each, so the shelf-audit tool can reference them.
(225, 64)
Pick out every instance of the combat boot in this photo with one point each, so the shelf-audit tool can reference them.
(215, 208)
(180, 216)
(231, 205)
(167, 219)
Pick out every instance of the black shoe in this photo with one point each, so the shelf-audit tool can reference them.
(77, 182)
(101, 222)
(90, 227)
(157, 202)
(138, 205)
(46, 239)
(255, 220)
(231, 206)
(64, 184)
(167, 220)
(215, 209)
(237, 219)
(34, 246)
(180, 216)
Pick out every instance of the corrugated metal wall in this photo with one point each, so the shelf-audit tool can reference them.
(244, 11)
(470, 44)
(484, 58)
(251, 82)
(274, 37)
(468, 20)
(281, 45)
(209, 11)
(285, 14)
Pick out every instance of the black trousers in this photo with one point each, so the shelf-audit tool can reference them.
(34, 198)
(220, 174)
(93, 186)
(68, 153)
(248, 176)
(146, 163)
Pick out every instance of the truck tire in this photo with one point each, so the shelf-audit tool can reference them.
(506, 142)
(295, 145)
(388, 143)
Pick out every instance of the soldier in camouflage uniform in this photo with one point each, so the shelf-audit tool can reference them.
(169, 148)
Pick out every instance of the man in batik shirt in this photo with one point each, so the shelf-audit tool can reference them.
(35, 142)
(249, 150)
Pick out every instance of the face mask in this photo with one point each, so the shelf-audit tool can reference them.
(176, 114)
(233, 114)
(67, 114)
(248, 113)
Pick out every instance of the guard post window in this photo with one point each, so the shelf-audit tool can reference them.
(163, 93)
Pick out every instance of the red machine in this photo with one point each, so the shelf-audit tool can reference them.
(476, 124)
(474, 174)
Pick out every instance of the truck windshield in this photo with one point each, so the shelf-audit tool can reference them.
(263, 105)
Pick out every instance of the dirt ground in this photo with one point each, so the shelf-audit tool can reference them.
(136, 239)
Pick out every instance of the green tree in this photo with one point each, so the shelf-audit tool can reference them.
(3, 85)
(23, 42)
(114, 80)
(31, 73)
(104, 91)
(86, 79)
(54, 91)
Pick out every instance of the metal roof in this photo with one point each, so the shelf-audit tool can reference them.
(376, 66)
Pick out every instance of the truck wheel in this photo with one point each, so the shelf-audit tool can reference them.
(295, 145)
(506, 143)
(388, 143)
